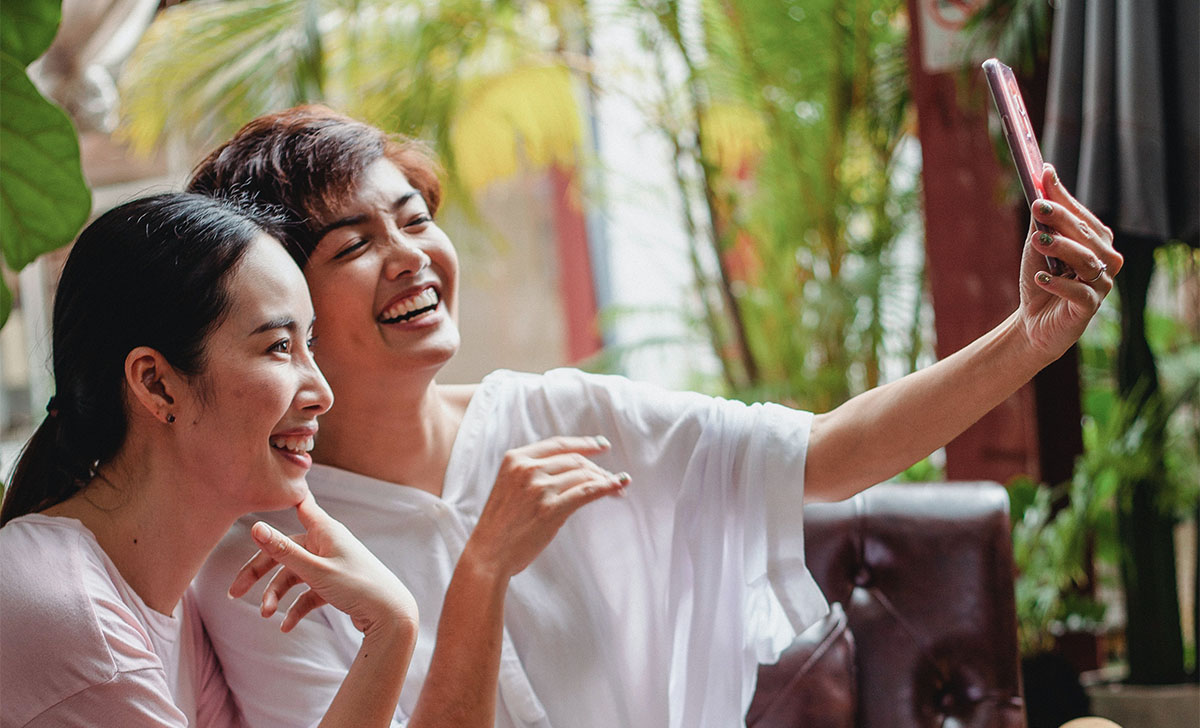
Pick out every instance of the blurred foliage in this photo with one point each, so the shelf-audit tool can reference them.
(487, 81)
(790, 159)
(44, 199)
(1056, 529)
(1015, 31)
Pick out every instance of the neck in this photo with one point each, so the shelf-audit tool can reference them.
(154, 524)
(401, 433)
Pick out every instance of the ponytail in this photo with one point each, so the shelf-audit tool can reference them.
(44, 475)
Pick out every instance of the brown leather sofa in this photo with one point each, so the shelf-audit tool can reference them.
(922, 629)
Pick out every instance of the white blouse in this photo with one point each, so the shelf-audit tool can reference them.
(652, 610)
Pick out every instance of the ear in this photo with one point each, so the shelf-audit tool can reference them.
(153, 383)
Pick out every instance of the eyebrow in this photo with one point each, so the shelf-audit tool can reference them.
(282, 322)
(359, 219)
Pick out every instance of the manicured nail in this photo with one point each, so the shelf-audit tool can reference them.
(1043, 277)
(623, 478)
(1045, 208)
(1045, 238)
(602, 441)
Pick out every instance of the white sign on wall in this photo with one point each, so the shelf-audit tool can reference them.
(943, 38)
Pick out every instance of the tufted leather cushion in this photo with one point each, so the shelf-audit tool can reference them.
(813, 683)
(925, 574)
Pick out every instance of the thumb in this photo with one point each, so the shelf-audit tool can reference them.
(283, 549)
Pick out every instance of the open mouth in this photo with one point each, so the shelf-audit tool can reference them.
(297, 444)
(409, 308)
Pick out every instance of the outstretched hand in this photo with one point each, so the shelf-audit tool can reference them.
(1056, 309)
(334, 564)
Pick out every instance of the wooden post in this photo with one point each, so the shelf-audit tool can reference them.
(974, 233)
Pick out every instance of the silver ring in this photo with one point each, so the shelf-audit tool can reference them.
(1102, 271)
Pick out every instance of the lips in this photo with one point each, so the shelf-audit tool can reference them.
(410, 307)
(294, 447)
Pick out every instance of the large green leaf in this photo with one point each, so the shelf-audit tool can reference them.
(43, 197)
(27, 27)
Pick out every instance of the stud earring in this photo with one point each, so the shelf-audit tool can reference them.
(170, 418)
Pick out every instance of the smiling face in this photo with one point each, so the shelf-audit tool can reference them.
(249, 418)
(384, 281)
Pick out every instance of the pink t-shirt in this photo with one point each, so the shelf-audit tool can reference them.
(78, 647)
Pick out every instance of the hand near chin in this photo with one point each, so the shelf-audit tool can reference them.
(1056, 309)
(336, 568)
(537, 488)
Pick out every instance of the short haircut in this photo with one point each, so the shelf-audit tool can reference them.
(305, 159)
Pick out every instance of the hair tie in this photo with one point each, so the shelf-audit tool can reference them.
(52, 406)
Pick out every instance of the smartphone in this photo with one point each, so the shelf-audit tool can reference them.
(1018, 132)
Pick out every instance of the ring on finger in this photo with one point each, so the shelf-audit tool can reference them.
(1102, 271)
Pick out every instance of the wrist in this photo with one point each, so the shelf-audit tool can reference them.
(483, 569)
(1029, 355)
(398, 629)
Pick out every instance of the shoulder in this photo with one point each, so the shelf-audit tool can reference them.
(66, 625)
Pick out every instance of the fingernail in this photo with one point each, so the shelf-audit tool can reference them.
(1043, 277)
(1045, 208)
(623, 478)
(602, 441)
(1045, 238)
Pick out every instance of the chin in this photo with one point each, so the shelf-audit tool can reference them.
(288, 496)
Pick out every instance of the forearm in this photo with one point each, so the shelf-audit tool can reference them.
(877, 434)
(460, 689)
(371, 689)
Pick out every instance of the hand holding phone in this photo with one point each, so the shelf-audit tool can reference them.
(1018, 132)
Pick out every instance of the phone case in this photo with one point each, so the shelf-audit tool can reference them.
(1018, 132)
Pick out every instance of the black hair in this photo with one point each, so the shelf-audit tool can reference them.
(153, 272)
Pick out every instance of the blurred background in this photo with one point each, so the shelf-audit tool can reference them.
(787, 200)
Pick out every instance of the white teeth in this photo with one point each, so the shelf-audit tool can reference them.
(425, 299)
(295, 443)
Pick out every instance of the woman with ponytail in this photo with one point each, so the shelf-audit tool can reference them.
(186, 397)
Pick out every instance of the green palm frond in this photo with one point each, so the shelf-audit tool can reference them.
(424, 70)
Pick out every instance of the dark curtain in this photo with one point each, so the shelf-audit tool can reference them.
(1122, 128)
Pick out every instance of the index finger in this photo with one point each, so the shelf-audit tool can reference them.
(310, 514)
(564, 444)
(1056, 191)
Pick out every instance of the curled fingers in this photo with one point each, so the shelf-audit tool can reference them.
(1089, 267)
(305, 603)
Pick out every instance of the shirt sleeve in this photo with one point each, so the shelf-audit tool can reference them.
(138, 697)
(708, 459)
(717, 500)
(277, 679)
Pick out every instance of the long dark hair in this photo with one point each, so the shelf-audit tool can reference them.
(304, 160)
(152, 272)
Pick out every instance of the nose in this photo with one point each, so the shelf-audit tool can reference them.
(315, 396)
(403, 257)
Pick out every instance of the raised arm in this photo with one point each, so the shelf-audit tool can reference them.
(538, 487)
(340, 571)
(879, 433)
